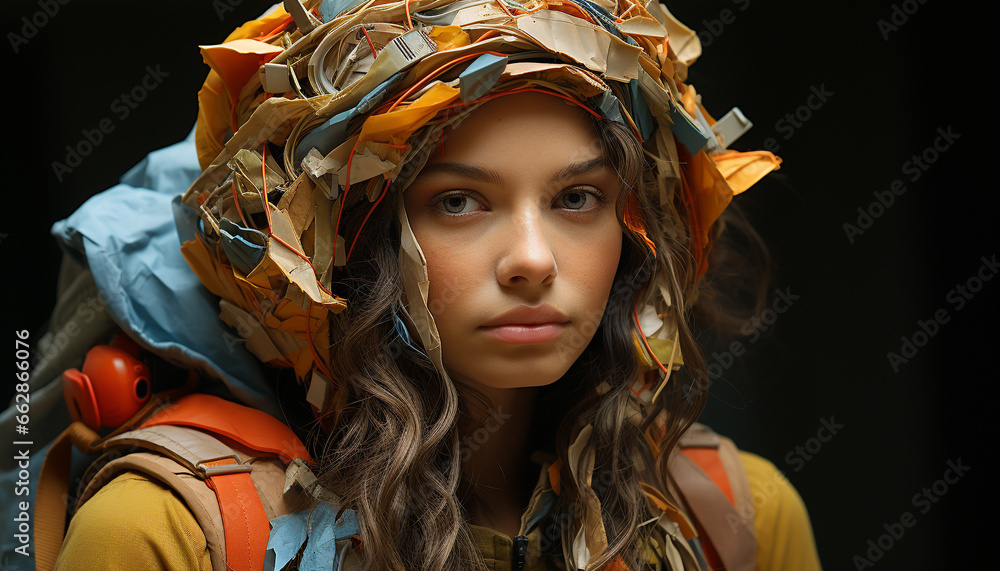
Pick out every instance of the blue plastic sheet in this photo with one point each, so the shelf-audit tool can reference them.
(288, 533)
(317, 526)
(333, 132)
(128, 238)
(330, 9)
(480, 76)
(245, 247)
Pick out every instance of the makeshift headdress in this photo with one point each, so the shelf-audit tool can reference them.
(320, 105)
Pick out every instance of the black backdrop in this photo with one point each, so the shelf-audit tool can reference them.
(846, 101)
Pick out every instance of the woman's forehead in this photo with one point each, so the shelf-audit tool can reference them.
(508, 124)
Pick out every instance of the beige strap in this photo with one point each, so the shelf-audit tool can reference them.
(178, 452)
(700, 436)
(739, 482)
(198, 497)
(731, 535)
(187, 446)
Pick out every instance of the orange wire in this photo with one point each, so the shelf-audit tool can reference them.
(406, 6)
(621, 16)
(489, 34)
(416, 86)
(583, 13)
(504, 8)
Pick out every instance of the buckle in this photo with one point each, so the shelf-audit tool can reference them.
(209, 471)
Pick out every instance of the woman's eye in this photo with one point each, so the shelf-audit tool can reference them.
(458, 204)
(580, 199)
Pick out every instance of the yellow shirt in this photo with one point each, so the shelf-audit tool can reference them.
(134, 523)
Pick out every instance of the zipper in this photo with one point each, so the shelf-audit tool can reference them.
(520, 549)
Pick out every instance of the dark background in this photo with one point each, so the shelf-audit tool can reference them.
(825, 358)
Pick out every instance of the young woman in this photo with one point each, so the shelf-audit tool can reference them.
(476, 232)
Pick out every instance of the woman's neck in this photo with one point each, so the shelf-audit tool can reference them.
(494, 452)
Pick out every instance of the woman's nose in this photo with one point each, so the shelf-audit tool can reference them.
(528, 254)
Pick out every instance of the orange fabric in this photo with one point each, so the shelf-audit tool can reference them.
(554, 477)
(709, 461)
(243, 519)
(743, 170)
(50, 505)
(672, 513)
(248, 426)
(237, 61)
(215, 103)
(617, 565)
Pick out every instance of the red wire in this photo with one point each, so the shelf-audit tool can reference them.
(372, 209)
(236, 200)
(642, 335)
(267, 209)
(312, 346)
(263, 184)
(343, 199)
(374, 53)
(695, 227)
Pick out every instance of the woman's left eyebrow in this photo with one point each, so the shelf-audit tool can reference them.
(581, 168)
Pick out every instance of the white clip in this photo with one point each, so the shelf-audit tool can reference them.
(732, 126)
(274, 78)
(304, 21)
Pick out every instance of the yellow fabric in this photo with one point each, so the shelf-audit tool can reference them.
(135, 523)
(396, 127)
(743, 170)
(132, 524)
(784, 534)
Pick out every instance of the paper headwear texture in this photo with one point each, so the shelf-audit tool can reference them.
(330, 105)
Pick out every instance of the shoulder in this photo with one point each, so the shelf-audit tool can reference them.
(781, 522)
(134, 522)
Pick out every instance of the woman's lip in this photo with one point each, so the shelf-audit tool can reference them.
(524, 333)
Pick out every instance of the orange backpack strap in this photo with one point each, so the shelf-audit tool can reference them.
(237, 456)
(711, 477)
(252, 428)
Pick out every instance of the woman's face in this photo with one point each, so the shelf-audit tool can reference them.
(517, 215)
